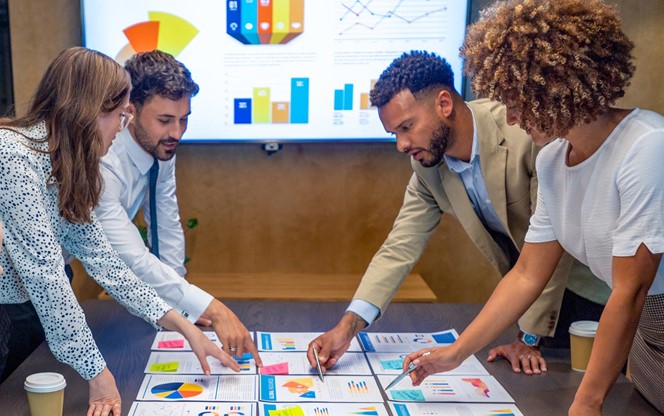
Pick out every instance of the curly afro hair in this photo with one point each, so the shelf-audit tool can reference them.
(558, 63)
(417, 71)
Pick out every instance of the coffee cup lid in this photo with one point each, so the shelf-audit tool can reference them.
(584, 328)
(44, 382)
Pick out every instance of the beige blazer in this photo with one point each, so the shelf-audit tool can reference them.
(507, 158)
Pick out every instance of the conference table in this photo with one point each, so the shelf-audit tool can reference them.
(125, 342)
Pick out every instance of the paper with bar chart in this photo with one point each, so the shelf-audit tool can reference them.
(171, 388)
(297, 363)
(323, 409)
(392, 363)
(310, 389)
(280, 69)
(454, 409)
(188, 363)
(444, 388)
(291, 341)
(191, 409)
(405, 342)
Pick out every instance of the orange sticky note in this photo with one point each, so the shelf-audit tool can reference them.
(275, 369)
(173, 343)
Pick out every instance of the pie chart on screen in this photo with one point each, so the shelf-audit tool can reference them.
(164, 31)
(177, 390)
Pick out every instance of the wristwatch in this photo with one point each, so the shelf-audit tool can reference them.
(529, 339)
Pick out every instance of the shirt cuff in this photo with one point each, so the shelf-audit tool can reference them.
(194, 302)
(364, 309)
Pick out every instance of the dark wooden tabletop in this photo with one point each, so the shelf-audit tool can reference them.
(125, 342)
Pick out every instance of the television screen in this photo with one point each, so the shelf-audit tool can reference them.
(280, 70)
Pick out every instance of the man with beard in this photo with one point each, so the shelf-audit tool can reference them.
(469, 163)
(139, 172)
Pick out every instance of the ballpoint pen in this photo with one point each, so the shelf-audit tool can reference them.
(320, 371)
(410, 369)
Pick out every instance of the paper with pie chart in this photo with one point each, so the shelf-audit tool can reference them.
(349, 364)
(437, 388)
(291, 341)
(454, 409)
(192, 409)
(324, 409)
(392, 363)
(187, 363)
(405, 342)
(310, 389)
(157, 387)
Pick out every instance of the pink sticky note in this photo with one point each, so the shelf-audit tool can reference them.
(174, 343)
(275, 369)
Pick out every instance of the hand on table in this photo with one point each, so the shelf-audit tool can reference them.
(437, 360)
(521, 356)
(234, 336)
(335, 342)
(104, 398)
(583, 409)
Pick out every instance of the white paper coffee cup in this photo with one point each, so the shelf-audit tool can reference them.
(581, 337)
(46, 392)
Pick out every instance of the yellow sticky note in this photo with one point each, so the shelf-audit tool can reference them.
(291, 411)
(164, 367)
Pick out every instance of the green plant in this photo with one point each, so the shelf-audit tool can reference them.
(191, 224)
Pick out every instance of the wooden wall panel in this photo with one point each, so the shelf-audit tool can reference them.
(311, 208)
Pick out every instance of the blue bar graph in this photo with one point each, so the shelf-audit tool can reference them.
(338, 100)
(242, 110)
(299, 112)
(348, 96)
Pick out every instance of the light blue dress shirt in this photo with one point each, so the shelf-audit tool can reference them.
(471, 175)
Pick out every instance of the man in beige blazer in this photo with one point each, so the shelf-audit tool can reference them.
(467, 162)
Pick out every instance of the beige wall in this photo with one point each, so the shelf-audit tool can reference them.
(311, 207)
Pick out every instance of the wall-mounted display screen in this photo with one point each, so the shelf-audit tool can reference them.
(280, 70)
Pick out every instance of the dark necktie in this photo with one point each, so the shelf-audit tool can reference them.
(154, 172)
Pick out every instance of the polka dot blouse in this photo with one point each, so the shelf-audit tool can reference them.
(32, 255)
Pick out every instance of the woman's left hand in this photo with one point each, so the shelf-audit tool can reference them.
(431, 361)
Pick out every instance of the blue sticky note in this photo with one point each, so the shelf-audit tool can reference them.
(408, 395)
(392, 364)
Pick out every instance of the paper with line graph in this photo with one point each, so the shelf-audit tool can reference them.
(405, 342)
(343, 389)
(440, 388)
(291, 341)
(392, 363)
(454, 409)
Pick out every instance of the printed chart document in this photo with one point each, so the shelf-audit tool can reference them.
(454, 409)
(192, 409)
(345, 389)
(351, 363)
(174, 341)
(437, 388)
(292, 341)
(174, 388)
(405, 342)
(322, 409)
(392, 363)
(187, 363)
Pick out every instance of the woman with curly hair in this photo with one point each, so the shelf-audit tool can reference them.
(559, 67)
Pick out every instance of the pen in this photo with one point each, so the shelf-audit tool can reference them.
(320, 371)
(409, 370)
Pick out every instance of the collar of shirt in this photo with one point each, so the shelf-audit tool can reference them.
(458, 166)
(142, 159)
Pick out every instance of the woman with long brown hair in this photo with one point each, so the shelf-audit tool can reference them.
(49, 184)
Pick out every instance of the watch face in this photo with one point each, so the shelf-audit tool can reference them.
(530, 339)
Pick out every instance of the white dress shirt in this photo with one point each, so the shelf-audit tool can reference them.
(125, 170)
